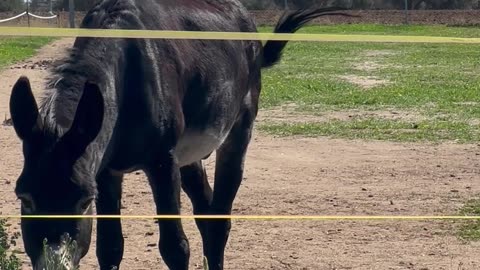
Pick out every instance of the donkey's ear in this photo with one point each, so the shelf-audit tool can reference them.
(24, 110)
(87, 122)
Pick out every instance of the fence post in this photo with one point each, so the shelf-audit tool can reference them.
(28, 11)
(71, 13)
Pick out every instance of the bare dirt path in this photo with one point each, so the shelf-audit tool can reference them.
(299, 176)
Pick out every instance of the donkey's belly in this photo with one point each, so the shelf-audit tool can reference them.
(195, 145)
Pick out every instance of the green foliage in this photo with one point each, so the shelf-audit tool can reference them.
(54, 261)
(257, 5)
(7, 261)
(80, 5)
(365, 4)
(11, 5)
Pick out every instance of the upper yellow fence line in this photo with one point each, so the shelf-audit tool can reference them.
(242, 217)
(159, 34)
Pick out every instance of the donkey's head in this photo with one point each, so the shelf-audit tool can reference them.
(56, 179)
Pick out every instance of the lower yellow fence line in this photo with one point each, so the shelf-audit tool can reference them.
(241, 217)
(160, 34)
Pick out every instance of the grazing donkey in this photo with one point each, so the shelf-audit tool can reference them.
(114, 106)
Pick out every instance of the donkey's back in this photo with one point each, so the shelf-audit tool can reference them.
(199, 86)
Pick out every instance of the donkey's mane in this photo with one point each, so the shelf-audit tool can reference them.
(92, 60)
(88, 60)
(64, 87)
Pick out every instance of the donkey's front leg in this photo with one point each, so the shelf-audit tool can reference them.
(166, 182)
(109, 231)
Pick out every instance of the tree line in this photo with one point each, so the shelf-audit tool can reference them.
(363, 4)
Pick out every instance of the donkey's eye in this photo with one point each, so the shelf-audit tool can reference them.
(27, 203)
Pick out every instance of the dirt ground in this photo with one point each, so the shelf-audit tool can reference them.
(300, 176)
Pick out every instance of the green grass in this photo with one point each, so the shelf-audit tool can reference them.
(372, 128)
(470, 230)
(17, 49)
(376, 29)
(432, 79)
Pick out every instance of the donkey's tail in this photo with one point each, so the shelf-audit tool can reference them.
(290, 23)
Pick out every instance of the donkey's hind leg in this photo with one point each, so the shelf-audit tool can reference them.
(109, 231)
(228, 177)
(165, 182)
(196, 186)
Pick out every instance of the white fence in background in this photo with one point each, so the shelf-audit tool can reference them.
(26, 13)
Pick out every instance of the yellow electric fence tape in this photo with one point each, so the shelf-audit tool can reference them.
(156, 34)
(244, 217)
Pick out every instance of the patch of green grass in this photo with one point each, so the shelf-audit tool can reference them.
(377, 29)
(19, 48)
(378, 129)
(470, 230)
(440, 81)
(418, 75)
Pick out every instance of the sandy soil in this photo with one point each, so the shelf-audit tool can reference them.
(299, 176)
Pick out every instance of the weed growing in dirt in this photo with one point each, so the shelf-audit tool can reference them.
(205, 263)
(59, 261)
(470, 230)
(7, 262)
